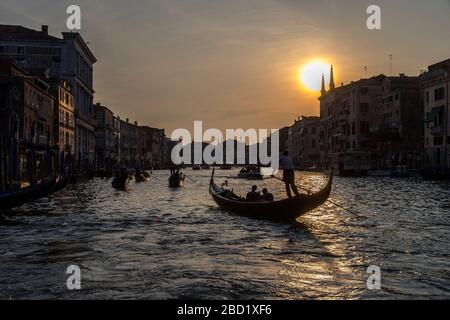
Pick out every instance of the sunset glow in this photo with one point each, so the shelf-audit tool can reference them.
(310, 74)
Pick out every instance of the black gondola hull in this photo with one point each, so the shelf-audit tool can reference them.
(287, 209)
(120, 183)
(176, 181)
(140, 178)
(30, 194)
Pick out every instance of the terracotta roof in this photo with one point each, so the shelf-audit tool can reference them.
(9, 32)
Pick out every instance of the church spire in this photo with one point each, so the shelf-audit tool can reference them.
(331, 78)
(323, 91)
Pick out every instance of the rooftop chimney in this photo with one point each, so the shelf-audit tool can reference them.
(44, 29)
(135, 123)
(128, 120)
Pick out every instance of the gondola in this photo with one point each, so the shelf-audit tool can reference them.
(61, 183)
(120, 182)
(140, 178)
(252, 173)
(176, 180)
(146, 174)
(29, 194)
(287, 209)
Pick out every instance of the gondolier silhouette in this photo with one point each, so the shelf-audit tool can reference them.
(287, 166)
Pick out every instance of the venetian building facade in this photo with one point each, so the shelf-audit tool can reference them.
(434, 86)
(27, 143)
(304, 142)
(129, 144)
(395, 124)
(345, 118)
(67, 58)
(107, 138)
(64, 116)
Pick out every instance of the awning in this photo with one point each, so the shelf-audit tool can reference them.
(431, 116)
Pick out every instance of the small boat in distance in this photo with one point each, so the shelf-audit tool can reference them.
(253, 173)
(284, 210)
(196, 167)
(140, 178)
(176, 180)
(121, 180)
(226, 167)
(146, 174)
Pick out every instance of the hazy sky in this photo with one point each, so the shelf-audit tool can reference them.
(234, 63)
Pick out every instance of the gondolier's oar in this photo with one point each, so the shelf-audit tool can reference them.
(189, 178)
(337, 205)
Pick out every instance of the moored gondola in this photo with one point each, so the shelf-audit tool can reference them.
(29, 194)
(61, 183)
(286, 209)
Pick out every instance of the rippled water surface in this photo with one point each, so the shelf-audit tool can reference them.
(155, 242)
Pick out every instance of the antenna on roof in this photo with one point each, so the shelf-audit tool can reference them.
(390, 64)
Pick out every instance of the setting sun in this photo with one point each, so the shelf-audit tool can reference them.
(310, 74)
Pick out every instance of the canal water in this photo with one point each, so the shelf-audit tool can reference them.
(153, 242)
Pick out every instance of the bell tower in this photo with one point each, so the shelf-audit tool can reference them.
(332, 79)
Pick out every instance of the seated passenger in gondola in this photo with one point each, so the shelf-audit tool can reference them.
(253, 196)
(266, 196)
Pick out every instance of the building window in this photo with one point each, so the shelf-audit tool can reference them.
(364, 127)
(364, 107)
(438, 141)
(439, 94)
